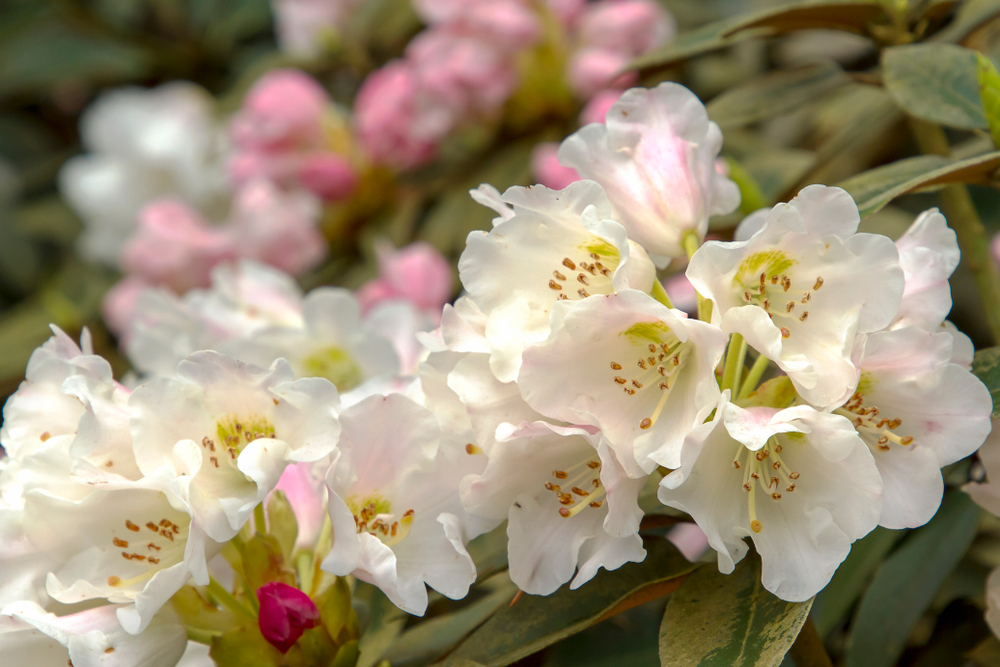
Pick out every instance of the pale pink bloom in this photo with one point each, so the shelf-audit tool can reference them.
(119, 304)
(276, 228)
(681, 292)
(593, 69)
(546, 167)
(598, 107)
(305, 488)
(284, 108)
(395, 123)
(328, 175)
(303, 26)
(175, 247)
(509, 24)
(629, 27)
(689, 539)
(567, 11)
(417, 273)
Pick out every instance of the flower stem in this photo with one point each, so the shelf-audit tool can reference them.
(259, 522)
(660, 294)
(963, 218)
(691, 244)
(227, 599)
(735, 356)
(808, 650)
(753, 377)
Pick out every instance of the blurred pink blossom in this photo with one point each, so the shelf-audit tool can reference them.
(689, 539)
(417, 273)
(328, 175)
(175, 247)
(567, 11)
(597, 108)
(303, 25)
(119, 305)
(681, 292)
(592, 70)
(545, 165)
(306, 492)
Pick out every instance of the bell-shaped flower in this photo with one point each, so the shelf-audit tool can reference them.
(228, 430)
(627, 364)
(31, 636)
(655, 158)
(928, 254)
(558, 246)
(800, 483)
(570, 505)
(801, 289)
(397, 519)
(917, 412)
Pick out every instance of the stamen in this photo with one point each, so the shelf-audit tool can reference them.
(789, 306)
(568, 263)
(645, 423)
(583, 279)
(819, 283)
(558, 275)
(554, 285)
(620, 380)
(803, 317)
(785, 333)
(473, 449)
(616, 366)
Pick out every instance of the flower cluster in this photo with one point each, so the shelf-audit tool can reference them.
(280, 441)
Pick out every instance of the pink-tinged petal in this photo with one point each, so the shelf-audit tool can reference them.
(328, 176)
(596, 110)
(119, 305)
(632, 27)
(284, 108)
(285, 613)
(547, 170)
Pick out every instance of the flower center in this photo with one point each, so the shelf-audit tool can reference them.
(659, 357)
(764, 469)
(590, 273)
(154, 543)
(765, 281)
(578, 487)
(334, 364)
(373, 515)
(233, 435)
(875, 429)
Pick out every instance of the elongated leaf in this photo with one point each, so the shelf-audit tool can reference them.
(907, 581)
(936, 82)
(535, 622)
(971, 15)
(834, 601)
(986, 366)
(775, 93)
(989, 92)
(875, 188)
(850, 16)
(385, 622)
(720, 619)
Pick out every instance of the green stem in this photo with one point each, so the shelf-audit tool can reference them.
(753, 377)
(691, 243)
(227, 599)
(963, 218)
(808, 650)
(660, 294)
(260, 523)
(735, 356)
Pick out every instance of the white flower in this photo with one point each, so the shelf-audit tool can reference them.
(802, 288)
(917, 412)
(143, 144)
(571, 508)
(630, 366)
(394, 507)
(800, 483)
(928, 254)
(655, 157)
(228, 430)
(31, 636)
(558, 246)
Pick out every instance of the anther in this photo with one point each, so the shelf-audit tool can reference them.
(568, 263)
(767, 304)
(793, 475)
(596, 503)
(661, 370)
(630, 392)
(736, 464)
(153, 527)
(558, 275)
(789, 306)
(121, 544)
(620, 380)
(131, 526)
(786, 282)
(907, 440)
(45, 436)
(789, 488)
(554, 285)
(645, 423)
(594, 255)
(578, 491)
(774, 280)
(819, 283)
(776, 496)
(113, 581)
(642, 364)
(806, 297)
(559, 474)
(214, 461)
(652, 348)
(776, 465)
(473, 449)
(746, 296)
(636, 384)
(663, 386)
(583, 293)
(747, 487)
(763, 454)
(803, 316)
(593, 465)
(582, 278)
(677, 360)
(616, 366)
(650, 360)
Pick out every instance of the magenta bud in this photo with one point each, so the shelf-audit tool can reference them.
(285, 613)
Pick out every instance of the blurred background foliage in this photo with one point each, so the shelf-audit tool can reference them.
(803, 95)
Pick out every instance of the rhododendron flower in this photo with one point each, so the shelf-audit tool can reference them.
(803, 287)
(655, 158)
(397, 519)
(627, 364)
(228, 430)
(570, 505)
(928, 254)
(558, 246)
(800, 483)
(545, 165)
(596, 110)
(31, 636)
(304, 26)
(285, 613)
(417, 273)
(918, 413)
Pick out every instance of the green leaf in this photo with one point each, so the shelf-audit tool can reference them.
(535, 622)
(986, 367)
(263, 562)
(244, 646)
(875, 188)
(775, 93)
(935, 82)
(907, 581)
(728, 619)
(433, 638)
(336, 612)
(385, 623)
(200, 617)
(834, 601)
(281, 523)
(489, 552)
(989, 92)
(48, 219)
(849, 16)
(971, 15)
(751, 197)
(986, 653)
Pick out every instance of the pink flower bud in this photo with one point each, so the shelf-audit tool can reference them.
(328, 175)
(591, 70)
(284, 109)
(417, 273)
(174, 247)
(306, 493)
(567, 11)
(598, 106)
(509, 25)
(629, 27)
(547, 169)
(285, 613)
